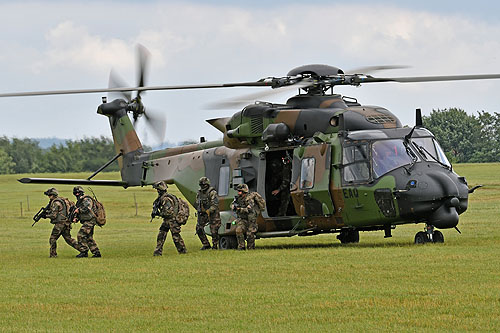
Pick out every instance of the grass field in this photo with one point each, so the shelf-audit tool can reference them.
(291, 284)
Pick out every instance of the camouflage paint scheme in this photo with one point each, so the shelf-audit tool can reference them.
(316, 129)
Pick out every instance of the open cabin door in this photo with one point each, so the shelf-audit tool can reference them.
(310, 188)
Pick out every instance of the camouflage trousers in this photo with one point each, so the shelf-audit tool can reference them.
(284, 198)
(64, 230)
(86, 238)
(248, 229)
(175, 229)
(214, 224)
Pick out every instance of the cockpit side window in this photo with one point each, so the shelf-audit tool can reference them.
(355, 161)
(388, 155)
(430, 149)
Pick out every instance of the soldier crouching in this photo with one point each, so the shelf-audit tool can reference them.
(207, 206)
(58, 215)
(168, 207)
(84, 213)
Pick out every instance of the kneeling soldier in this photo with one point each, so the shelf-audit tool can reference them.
(58, 215)
(168, 207)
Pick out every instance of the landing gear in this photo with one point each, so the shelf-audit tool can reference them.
(228, 242)
(429, 235)
(348, 236)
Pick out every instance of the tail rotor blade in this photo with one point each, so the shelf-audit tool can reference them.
(115, 81)
(157, 122)
(143, 61)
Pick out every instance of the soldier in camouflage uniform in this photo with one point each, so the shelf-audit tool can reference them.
(247, 212)
(283, 191)
(58, 215)
(168, 209)
(207, 205)
(85, 214)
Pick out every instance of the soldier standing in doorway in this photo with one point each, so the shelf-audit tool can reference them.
(167, 206)
(283, 191)
(207, 206)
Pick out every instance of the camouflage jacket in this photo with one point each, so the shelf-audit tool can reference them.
(57, 211)
(85, 207)
(244, 207)
(207, 202)
(286, 175)
(169, 205)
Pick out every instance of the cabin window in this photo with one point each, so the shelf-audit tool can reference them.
(355, 161)
(429, 146)
(307, 173)
(388, 155)
(223, 181)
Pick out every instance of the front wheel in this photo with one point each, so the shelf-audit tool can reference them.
(421, 238)
(438, 237)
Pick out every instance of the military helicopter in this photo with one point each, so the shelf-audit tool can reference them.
(352, 167)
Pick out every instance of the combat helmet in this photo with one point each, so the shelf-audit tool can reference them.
(160, 186)
(243, 188)
(204, 182)
(78, 190)
(51, 191)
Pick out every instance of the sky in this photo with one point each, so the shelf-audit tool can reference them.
(52, 45)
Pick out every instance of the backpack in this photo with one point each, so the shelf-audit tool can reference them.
(260, 203)
(67, 205)
(183, 213)
(98, 211)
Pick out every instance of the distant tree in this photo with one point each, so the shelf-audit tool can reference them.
(458, 133)
(6, 164)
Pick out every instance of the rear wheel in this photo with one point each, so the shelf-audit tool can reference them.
(348, 236)
(228, 242)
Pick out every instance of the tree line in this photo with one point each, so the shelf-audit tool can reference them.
(464, 138)
(26, 156)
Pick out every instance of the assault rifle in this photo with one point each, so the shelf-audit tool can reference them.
(71, 216)
(156, 209)
(42, 214)
(236, 203)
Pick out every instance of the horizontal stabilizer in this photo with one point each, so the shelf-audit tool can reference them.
(219, 123)
(73, 181)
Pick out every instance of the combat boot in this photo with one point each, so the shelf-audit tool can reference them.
(157, 254)
(97, 255)
(83, 254)
(206, 247)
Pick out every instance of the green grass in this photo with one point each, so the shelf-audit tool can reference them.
(287, 284)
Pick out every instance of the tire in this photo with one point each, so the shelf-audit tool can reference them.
(227, 242)
(421, 238)
(353, 236)
(438, 237)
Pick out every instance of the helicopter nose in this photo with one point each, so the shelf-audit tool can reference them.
(446, 216)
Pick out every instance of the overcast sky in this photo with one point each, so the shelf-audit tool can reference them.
(49, 45)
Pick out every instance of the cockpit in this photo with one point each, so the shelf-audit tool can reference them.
(367, 160)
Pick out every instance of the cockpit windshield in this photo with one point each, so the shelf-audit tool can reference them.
(388, 155)
(431, 150)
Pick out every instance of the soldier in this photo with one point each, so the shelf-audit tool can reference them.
(84, 213)
(207, 205)
(247, 209)
(58, 215)
(168, 207)
(283, 191)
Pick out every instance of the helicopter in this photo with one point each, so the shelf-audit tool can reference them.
(352, 167)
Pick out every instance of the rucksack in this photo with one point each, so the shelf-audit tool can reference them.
(259, 201)
(67, 205)
(98, 211)
(183, 213)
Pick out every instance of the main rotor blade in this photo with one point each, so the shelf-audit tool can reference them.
(235, 103)
(371, 69)
(125, 89)
(410, 79)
